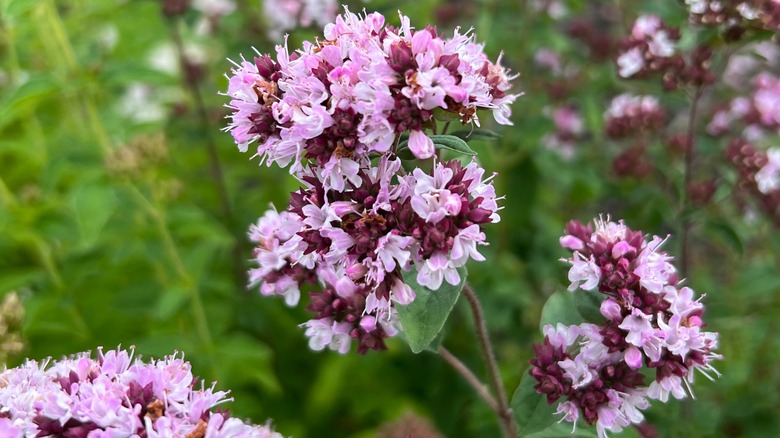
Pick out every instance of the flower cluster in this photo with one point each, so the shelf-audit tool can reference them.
(336, 101)
(651, 48)
(652, 325)
(759, 175)
(284, 15)
(568, 128)
(758, 113)
(628, 115)
(114, 395)
(735, 15)
(358, 243)
(336, 111)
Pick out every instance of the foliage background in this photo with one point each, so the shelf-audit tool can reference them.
(113, 229)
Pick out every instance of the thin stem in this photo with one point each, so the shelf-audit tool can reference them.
(215, 165)
(690, 154)
(685, 250)
(169, 245)
(504, 412)
(473, 380)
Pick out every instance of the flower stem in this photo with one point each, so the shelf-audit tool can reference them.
(473, 380)
(690, 154)
(685, 250)
(198, 309)
(190, 84)
(504, 411)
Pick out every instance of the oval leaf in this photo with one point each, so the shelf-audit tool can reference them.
(560, 308)
(531, 411)
(445, 115)
(423, 319)
(453, 143)
(588, 305)
(477, 134)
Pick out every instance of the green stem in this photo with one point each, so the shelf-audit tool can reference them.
(215, 165)
(198, 311)
(472, 379)
(154, 212)
(504, 411)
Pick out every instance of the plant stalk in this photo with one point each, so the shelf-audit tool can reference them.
(690, 154)
(473, 380)
(215, 165)
(504, 411)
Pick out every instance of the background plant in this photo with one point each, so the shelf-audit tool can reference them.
(145, 254)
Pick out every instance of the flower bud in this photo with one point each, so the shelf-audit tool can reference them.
(611, 310)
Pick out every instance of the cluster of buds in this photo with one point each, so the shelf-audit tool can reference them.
(652, 325)
(757, 113)
(285, 15)
(561, 79)
(633, 162)
(114, 395)
(568, 128)
(759, 174)
(651, 50)
(735, 16)
(141, 153)
(629, 115)
(335, 111)
(600, 44)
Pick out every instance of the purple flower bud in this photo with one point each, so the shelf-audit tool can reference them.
(368, 323)
(611, 310)
(421, 145)
(356, 271)
(572, 243)
(633, 357)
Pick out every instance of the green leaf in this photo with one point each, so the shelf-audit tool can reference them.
(452, 143)
(92, 207)
(588, 305)
(26, 97)
(445, 115)
(242, 358)
(476, 134)
(564, 430)
(531, 411)
(449, 142)
(423, 319)
(560, 308)
(170, 301)
(722, 230)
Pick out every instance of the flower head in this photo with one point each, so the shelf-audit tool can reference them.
(652, 326)
(114, 395)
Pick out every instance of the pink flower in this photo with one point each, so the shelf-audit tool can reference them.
(584, 271)
(327, 333)
(768, 177)
(652, 328)
(105, 396)
(354, 92)
(630, 62)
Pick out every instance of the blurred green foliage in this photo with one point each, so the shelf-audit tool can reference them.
(114, 228)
